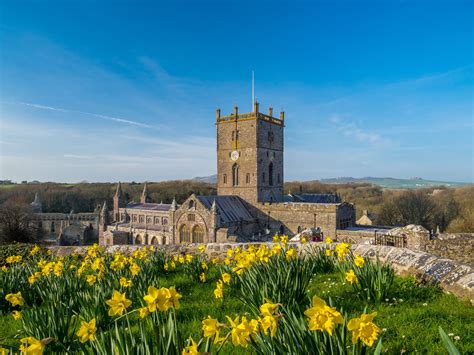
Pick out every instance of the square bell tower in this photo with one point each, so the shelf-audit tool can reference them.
(250, 155)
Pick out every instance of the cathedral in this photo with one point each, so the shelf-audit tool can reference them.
(250, 203)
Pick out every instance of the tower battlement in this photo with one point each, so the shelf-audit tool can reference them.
(255, 114)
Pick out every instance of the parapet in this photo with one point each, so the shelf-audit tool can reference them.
(255, 114)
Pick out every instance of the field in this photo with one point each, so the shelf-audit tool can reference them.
(271, 288)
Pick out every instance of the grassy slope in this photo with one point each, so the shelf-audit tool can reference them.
(409, 324)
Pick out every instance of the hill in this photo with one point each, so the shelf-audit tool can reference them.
(393, 183)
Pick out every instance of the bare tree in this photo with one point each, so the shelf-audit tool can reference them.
(17, 224)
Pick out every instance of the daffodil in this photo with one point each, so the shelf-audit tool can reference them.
(268, 309)
(134, 269)
(359, 261)
(303, 240)
(174, 297)
(189, 258)
(202, 248)
(16, 315)
(276, 238)
(328, 240)
(143, 312)
(118, 303)
(322, 317)
(241, 331)
(91, 279)
(36, 249)
(15, 299)
(202, 277)
(191, 349)
(291, 253)
(157, 299)
(351, 277)
(269, 322)
(124, 282)
(364, 329)
(329, 252)
(211, 328)
(218, 290)
(32, 346)
(34, 277)
(87, 331)
(226, 278)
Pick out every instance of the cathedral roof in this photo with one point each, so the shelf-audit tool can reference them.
(312, 198)
(149, 206)
(229, 208)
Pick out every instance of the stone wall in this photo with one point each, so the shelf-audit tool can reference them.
(458, 246)
(452, 276)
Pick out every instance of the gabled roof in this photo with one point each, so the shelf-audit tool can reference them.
(229, 208)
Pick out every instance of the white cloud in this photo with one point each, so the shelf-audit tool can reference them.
(105, 117)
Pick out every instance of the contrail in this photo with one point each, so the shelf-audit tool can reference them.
(104, 117)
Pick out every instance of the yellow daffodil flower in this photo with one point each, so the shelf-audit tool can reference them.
(87, 331)
(351, 277)
(15, 299)
(322, 317)
(118, 303)
(364, 329)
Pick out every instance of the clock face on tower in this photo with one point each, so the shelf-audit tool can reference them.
(234, 155)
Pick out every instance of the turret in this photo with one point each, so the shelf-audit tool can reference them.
(36, 205)
(104, 218)
(145, 197)
(119, 202)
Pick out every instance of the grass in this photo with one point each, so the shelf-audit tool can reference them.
(409, 319)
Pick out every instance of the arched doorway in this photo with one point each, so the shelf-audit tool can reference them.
(154, 241)
(198, 234)
(139, 240)
(184, 236)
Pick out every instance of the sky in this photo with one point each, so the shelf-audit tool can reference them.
(127, 90)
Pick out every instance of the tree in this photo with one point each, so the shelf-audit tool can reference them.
(16, 224)
(410, 207)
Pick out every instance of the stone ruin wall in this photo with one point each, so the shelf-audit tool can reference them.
(455, 246)
(452, 276)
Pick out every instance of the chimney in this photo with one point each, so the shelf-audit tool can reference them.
(270, 111)
(282, 115)
(236, 110)
(218, 113)
(255, 106)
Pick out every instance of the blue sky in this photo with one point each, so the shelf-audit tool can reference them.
(127, 90)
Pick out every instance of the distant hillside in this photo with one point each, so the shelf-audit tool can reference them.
(208, 179)
(393, 183)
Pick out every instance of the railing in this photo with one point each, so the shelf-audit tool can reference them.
(399, 241)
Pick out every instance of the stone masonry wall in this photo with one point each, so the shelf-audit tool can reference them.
(459, 247)
(452, 276)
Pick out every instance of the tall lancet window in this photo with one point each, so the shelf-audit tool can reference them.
(235, 175)
(270, 174)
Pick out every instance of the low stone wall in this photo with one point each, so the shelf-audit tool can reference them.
(452, 276)
(456, 246)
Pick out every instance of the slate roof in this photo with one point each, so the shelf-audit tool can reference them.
(149, 206)
(230, 208)
(312, 198)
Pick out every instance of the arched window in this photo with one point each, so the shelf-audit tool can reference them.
(235, 175)
(198, 234)
(278, 178)
(154, 241)
(138, 240)
(247, 179)
(192, 204)
(225, 178)
(184, 234)
(270, 174)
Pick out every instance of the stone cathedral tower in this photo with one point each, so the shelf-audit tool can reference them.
(250, 155)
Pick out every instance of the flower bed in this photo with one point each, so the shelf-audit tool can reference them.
(266, 299)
